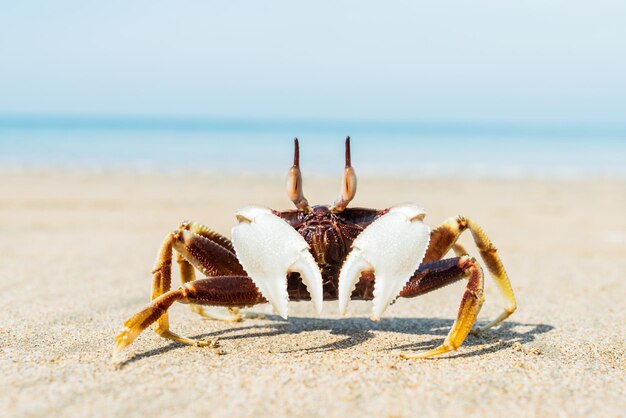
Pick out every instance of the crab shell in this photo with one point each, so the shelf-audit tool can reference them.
(392, 247)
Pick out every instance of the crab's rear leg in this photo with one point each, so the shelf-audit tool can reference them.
(238, 291)
(437, 274)
(188, 274)
(445, 237)
(207, 251)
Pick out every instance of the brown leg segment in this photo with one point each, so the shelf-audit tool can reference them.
(188, 274)
(444, 237)
(441, 274)
(207, 251)
(231, 314)
(209, 257)
(205, 231)
(435, 275)
(215, 291)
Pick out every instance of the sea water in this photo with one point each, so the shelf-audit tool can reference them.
(266, 147)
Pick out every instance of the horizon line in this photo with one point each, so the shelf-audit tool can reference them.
(322, 125)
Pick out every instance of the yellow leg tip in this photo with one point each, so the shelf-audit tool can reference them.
(122, 340)
(442, 349)
(125, 338)
(188, 341)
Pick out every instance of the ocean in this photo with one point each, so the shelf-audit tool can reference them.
(250, 147)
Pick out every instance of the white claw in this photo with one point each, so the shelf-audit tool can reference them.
(392, 247)
(268, 248)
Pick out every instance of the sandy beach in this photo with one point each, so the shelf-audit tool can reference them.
(77, 249)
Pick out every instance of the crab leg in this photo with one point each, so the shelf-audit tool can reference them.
(227, 291)
(188, 274)
(444, 237)
(435, 275)
(470, 303)
(211, 256)
(206, 232)
(187, 271)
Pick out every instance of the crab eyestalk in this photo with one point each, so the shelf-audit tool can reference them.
(294, 181)
(348, 183)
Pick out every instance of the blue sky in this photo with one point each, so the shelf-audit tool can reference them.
(480, 61)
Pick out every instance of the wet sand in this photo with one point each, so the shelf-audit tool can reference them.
(77, 249)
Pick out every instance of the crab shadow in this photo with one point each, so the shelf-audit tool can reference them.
(359, 330)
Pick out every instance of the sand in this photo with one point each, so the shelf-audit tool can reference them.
(77, 249)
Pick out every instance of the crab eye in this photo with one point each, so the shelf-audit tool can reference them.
(294, 181)
(348, 183)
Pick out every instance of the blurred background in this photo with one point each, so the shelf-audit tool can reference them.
(425, 89)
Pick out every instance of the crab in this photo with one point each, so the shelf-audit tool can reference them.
(321, 253)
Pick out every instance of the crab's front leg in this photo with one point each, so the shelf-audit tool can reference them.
(214, 291)
(471, 302)
(196, 246)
